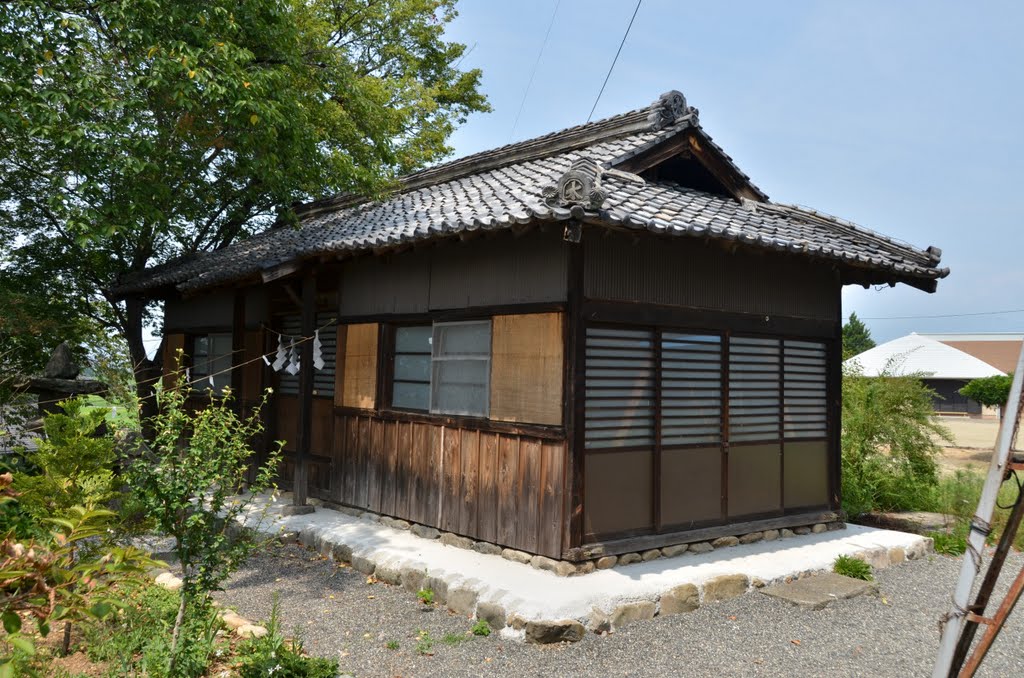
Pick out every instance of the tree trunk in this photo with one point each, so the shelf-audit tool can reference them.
(174, 636)
(147, 371)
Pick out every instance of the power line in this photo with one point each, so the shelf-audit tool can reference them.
(944, 315)
(612, 67)
(534, 71)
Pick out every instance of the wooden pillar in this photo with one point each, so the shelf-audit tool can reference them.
(575, 396)
(300, 486)
(238, 349)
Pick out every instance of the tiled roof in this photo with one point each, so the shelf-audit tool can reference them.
(497, 189)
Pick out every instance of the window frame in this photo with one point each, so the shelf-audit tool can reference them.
(485, 358)
(196, 372)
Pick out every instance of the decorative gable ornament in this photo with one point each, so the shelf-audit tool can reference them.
(670, 107)
(581, 185)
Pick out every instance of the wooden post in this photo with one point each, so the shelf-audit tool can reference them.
(300, 485)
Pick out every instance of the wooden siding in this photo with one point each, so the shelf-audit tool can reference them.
(689, 273)
(173, 343)
(252, 369)
(527, 368)
(497, 487)
(356, 372)
(487, 271)
(206, 311)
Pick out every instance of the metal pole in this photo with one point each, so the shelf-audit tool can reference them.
(954, 621)
(995, 626)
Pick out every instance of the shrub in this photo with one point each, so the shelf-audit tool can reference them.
(273, 655)
(481, 628)
(888, 442)
(854, 568)
(990, 391)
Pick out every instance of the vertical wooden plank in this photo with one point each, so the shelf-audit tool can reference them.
(351, 459)
(338, 460)
(487, 502)
(389, 478)
(575, 375)
(451, 442)
(549, 540)
(305, 418)
(468, 507)
(508, 470)
(529, 494)
(429, 439)
(406, 480)
(375, 464)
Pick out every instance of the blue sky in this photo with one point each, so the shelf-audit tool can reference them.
(904, 117)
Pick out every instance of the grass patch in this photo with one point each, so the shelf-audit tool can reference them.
(854, 568)
(453, 638)
(958, 494)
(949, 543)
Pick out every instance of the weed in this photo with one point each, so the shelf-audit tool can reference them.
(424, 643)
(481, 628)
(426, 596)
(452, 638)
(949, 543)
(392, 645)
(272, 654)
(852, 567)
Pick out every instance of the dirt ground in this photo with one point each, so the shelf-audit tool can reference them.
(973, 443)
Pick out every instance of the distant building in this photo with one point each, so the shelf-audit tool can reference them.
(944, 365)
(999, 349)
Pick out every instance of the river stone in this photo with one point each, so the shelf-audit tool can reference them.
(251, 631)
(487, 548)
(627, 613)
(341, 553)
(701, 547)
(819, 528)
(350, 511)
(683, 598)
(516, 556)
(723, 542)
(412, 579)
(786, 533)
(599, 621)
(425, 532)
(629, 558)
(650, 555)
(364, 565)
(752, 538)
(462, 601)
(897, 555)
(233, 621)
(802, 530)
(545, 632)
(449, 539)
(168, 581)
(388, 575)
(606, 562)
(770, 535)
(492, 613)
(674, 550)
(516, 622)
(725, 587)
(559, 567)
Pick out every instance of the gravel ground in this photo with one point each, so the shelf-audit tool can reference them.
(338, 614)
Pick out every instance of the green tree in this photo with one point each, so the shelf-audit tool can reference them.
(989, 391)
(141, 130)
(856, 337)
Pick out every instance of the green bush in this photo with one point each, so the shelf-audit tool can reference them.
(273, 655)
(852, 567)
(888, 443)
(990, 391)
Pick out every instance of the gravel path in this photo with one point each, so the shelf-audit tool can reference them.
(338, 614)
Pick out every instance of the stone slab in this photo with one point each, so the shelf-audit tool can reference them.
(815, 593)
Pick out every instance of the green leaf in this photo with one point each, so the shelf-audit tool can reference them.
(22, 644)
(100, 610)
(12, 621)
(7, 670)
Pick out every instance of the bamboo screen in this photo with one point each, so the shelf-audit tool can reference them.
(356, 381)
(527, 368)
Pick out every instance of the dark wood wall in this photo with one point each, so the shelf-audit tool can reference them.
(499, 487)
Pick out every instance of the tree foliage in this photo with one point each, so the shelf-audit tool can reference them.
(856, 337)
(889, 443)
(989, 391)
(140, 130)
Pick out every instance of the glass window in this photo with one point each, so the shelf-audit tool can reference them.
(211, 361)
(461, 368)
(411, 379)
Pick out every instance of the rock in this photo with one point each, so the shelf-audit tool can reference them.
(516, 622)
(920, 549)
(752, 538)
(487, 548)
(412, 579)
(61, 364)
(462, 601)
(559, 567)
(439, 587)
(814, 593)
(918, 522)
(545, 632)
(599, 621)
(758, 583)
(251, 631)
(878, 558)
(288, 537)
(606, 562)
(388, 575)
(701, 547)
(341, 553)
(168, 581)
(449, 539)
(818, 528)
(492, 613)
(233, 621)
(786, 534)
(425, 531)
(350, 511)
(802, 530)
(770, 535)
(684, 598)
(516, 556)
(652, 554)
(674, 550)
(629, 558)
(401, 524)
(723, 542)
(310, 539)
(897, 555)
(586, 567)
(627, 613)
(725, 587)
(364, 565)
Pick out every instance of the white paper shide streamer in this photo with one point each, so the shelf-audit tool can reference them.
(318, 351)
(282, 355)
(293, 360)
